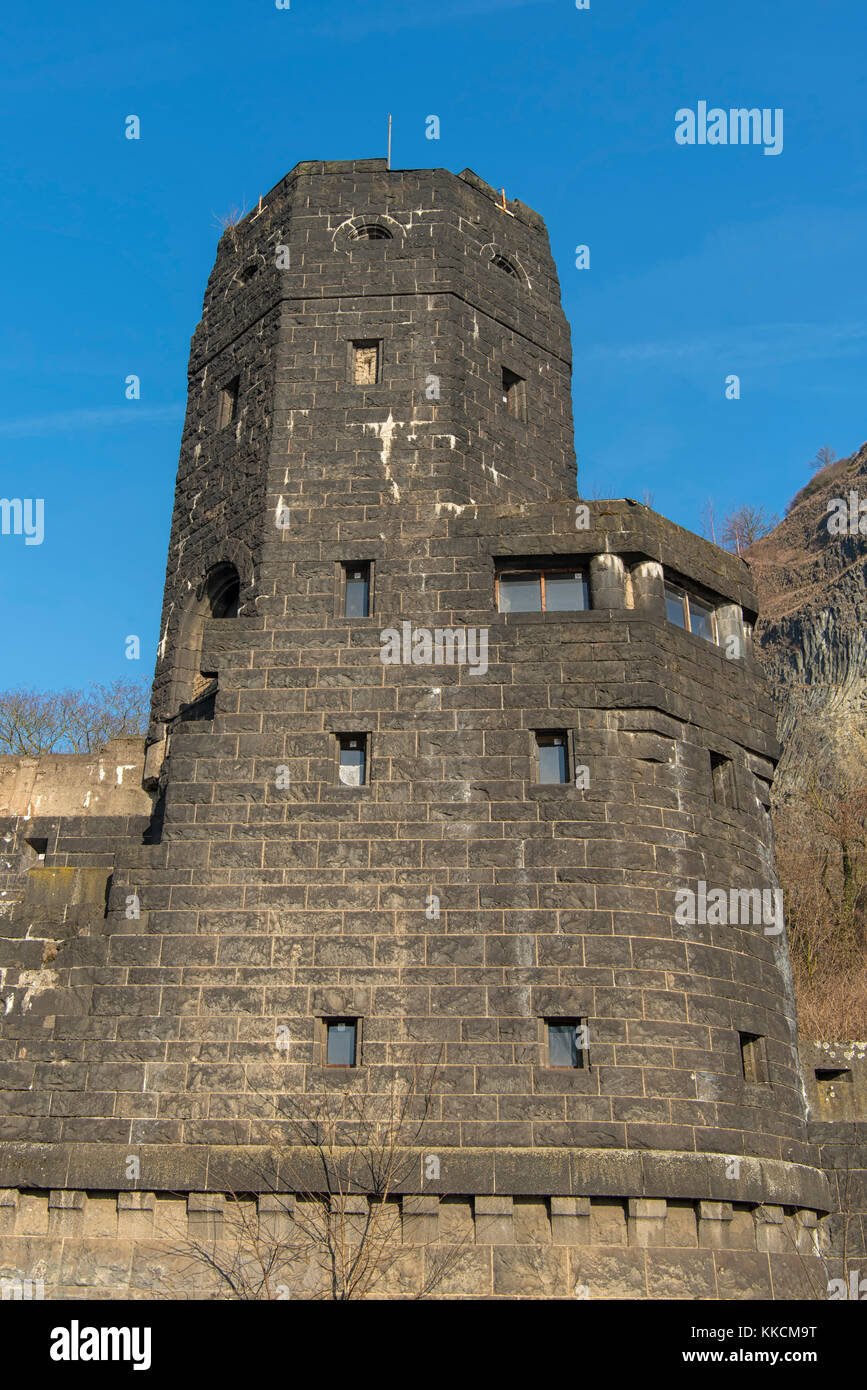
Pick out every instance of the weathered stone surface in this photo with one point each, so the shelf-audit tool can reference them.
(454, 904)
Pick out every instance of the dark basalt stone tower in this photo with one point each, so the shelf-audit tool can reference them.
(379, 441)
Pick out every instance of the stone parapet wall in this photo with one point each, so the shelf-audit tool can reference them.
(140, 1244)
(107, 783)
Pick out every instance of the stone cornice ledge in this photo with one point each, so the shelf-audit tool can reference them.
(467, 1172)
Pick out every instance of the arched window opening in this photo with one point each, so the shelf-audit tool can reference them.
(371, 231)
(194, 689)
(223, 591)
(500, 263)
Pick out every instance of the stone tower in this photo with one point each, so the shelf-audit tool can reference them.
(446, 766)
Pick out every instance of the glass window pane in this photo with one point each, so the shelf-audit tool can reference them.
(341, 1044)
(674, 606)
(357, 593)
(562, 1045)
(565, 593)
(552, 761)
(701, 619)
(352, 763)
(520, 593)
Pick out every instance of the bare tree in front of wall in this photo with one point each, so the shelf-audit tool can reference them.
(328, 1223)
(33, 722)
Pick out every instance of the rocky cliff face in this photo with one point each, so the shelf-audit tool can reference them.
(812, 585)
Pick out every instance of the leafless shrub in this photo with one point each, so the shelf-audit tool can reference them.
(228, 221)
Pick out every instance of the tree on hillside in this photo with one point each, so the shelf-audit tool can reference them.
(709, 521)
(745, 525)
(71, 721)
(824, 458)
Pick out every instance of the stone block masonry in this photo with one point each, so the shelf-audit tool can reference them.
(354, 418)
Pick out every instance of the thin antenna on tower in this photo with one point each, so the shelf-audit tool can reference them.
(388, 159)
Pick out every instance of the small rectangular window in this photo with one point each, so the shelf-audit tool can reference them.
(832, 1075)
(365, 362)
(514, 394)
(722, 774)
(553, 755)
(701, 619)
(357, 591)
(542, 591)
(341, 1042)
(687, 611)
(565, 592)
(753, 1058)
(228, 403)
(353, 760)
(567, 1042)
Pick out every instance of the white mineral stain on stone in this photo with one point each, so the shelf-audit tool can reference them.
(456, 508)
(385, 432)
(34, 983)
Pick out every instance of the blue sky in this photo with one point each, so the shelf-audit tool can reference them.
(704, 260)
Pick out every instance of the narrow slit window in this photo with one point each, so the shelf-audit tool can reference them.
(353, 760)
(514, 394)
(366, 360)
(227, 410)
(552, 751)
(829, 1079)
(357, 591)
(754, 1061)
(722, 775)
(567, 1043)
(341, 1042)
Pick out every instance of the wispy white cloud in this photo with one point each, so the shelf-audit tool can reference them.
(83, 421)
(413, 14)
(755, 346)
